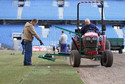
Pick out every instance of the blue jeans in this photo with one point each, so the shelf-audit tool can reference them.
(63, 47)
(27, 52)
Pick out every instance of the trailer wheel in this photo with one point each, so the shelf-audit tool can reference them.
(107, 45)
(73, 47)
(75, 58)
(107, 59)
(120, 51)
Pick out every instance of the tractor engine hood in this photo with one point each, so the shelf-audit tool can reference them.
(90, 34)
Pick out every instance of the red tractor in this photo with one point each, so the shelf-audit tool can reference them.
(91, 45)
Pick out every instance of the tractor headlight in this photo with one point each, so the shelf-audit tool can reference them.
(94, 38)
(87, 38)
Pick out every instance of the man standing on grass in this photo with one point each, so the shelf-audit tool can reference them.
(63, 42)
(28, 33)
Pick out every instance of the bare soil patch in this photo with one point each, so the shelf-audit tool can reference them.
(91, 72)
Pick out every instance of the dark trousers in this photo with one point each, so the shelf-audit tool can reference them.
(27, 52)
(63, 47)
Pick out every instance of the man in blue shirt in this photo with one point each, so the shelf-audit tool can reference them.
(88, 26)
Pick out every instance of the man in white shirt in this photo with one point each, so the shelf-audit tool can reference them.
(63, 42)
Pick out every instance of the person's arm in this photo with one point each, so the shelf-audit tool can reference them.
(23, 31)
(33, 32)
(67, 38)
(22, 39)
(60, 39)
(97, 30)
(82, 30)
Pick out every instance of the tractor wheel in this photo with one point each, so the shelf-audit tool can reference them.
(107, 45)
(73, 47)
(75, 58)
(120, 51)
(107, 59)
(101, 60)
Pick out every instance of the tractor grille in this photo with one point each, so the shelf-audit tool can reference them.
(91, 42)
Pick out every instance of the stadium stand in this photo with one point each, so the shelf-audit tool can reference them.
(40, 9)
(44, 10)
(55, 33)
(120, 33)
(53, 36)
(6, 33)
(7, 10)
(70, 12)
(114, 11)
(110, 32)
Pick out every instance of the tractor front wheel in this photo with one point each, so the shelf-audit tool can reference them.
(75, 58)
(107, 58)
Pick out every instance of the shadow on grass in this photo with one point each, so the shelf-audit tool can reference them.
(88, 66)
(51, 65)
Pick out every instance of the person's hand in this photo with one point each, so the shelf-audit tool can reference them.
(41, 43)
(99, 33)
(22, 42)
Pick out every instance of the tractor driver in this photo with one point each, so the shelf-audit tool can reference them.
(88, 26)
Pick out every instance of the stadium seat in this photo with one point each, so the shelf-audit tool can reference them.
(110, 32)
(115, 10)
(40, 9)
(10, 11)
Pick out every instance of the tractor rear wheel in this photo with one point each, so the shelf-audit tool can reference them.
(107, 45)
(107, 59)
(75, 58)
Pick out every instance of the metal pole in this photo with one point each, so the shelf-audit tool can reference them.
(68, 30)
(78, 27)
(78, 16)
(102, 14)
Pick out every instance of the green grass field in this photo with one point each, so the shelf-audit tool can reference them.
(12, 70)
